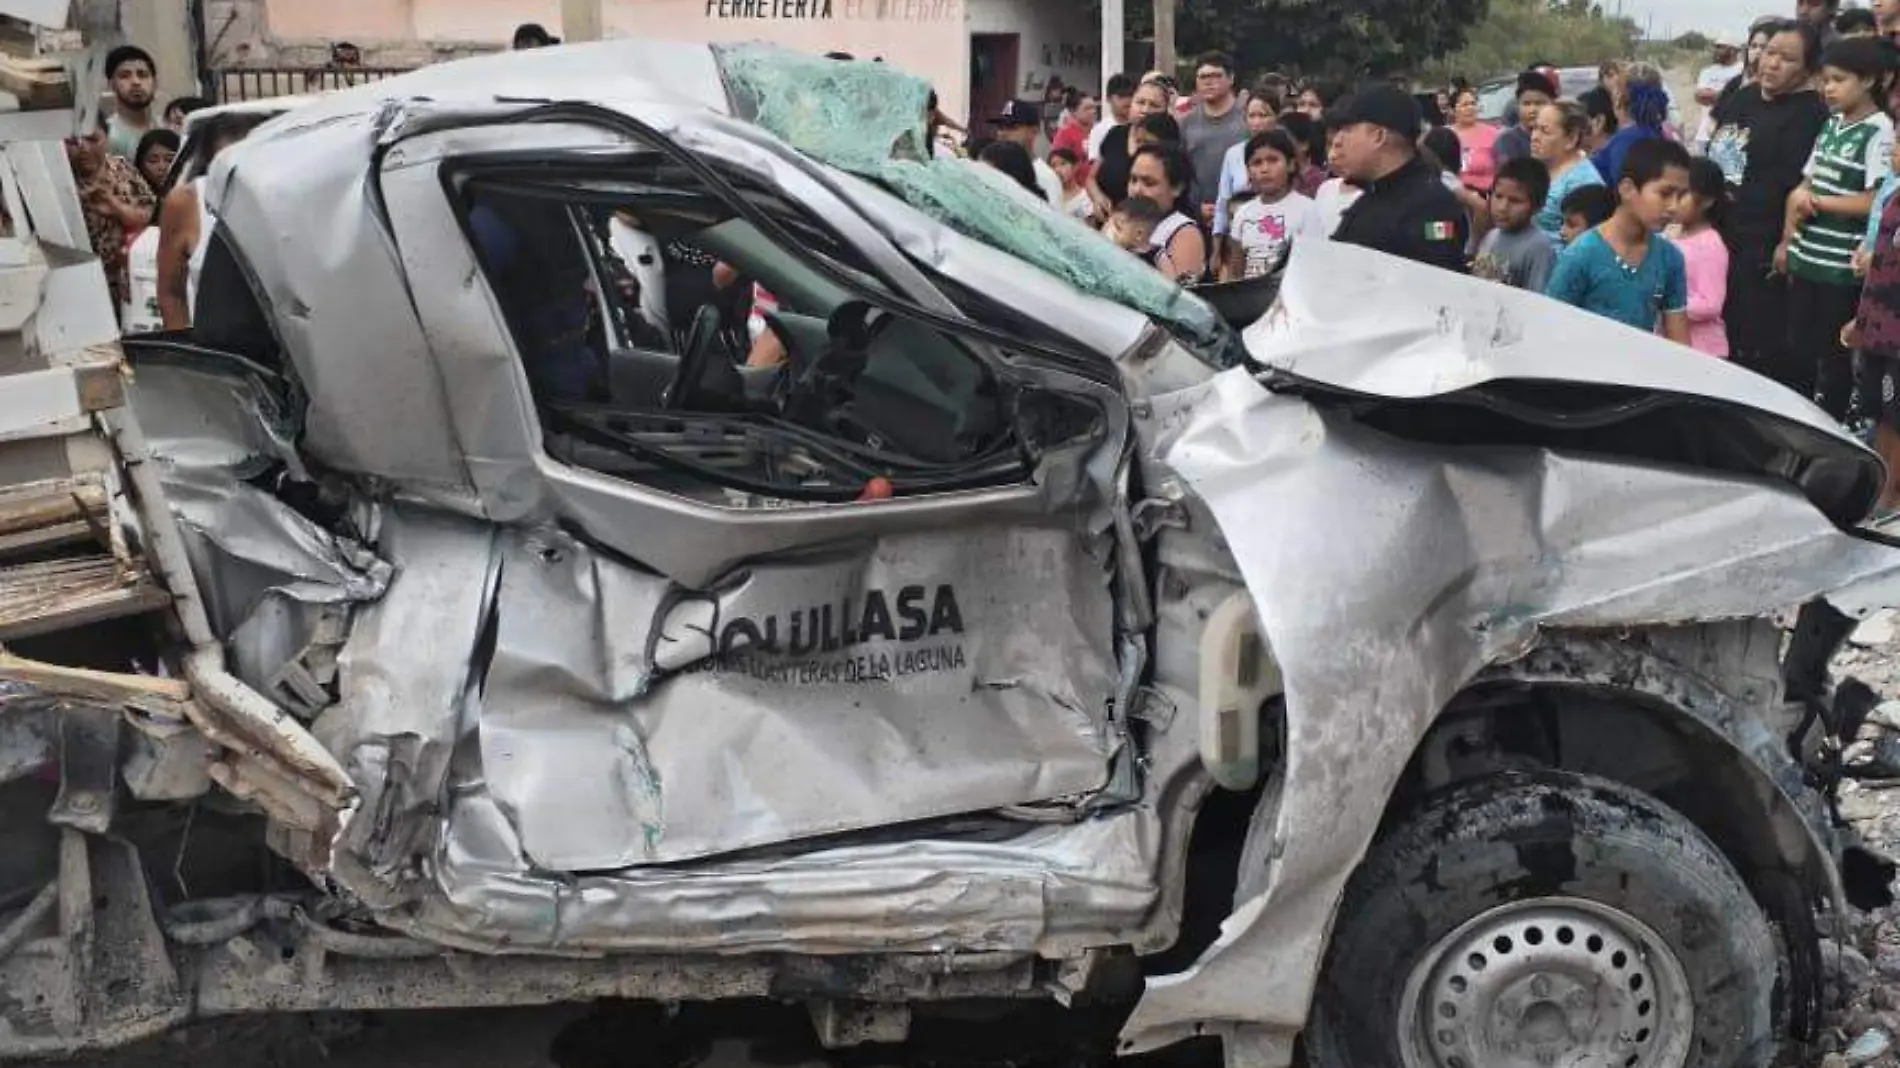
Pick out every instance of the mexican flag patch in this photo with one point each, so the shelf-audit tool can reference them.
(1440, 231)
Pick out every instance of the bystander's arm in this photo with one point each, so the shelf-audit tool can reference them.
(1799, 209)
(1675, 297)
(1223, 214)
(1855, 206)
(1231, 260)
(177, 236)
(1708, 292)
(1188, 252)
(1884, 194)
(1103, 206)
(1675, 327)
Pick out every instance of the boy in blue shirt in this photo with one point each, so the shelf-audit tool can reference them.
(1625, 269)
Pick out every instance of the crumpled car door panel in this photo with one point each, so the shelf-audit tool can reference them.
(626, 720)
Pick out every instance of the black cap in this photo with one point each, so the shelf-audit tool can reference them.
(1018, 113)
(1381, 105)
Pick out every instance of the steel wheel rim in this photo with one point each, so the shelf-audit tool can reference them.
(1548, 983)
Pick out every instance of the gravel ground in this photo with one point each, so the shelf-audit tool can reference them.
(1863, 966)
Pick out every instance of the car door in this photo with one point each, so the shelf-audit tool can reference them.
(691, 659)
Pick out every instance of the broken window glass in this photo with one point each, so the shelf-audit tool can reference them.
(868, 119)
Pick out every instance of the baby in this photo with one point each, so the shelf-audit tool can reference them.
(1132, 224)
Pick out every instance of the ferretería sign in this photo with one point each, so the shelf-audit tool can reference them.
(869, 10)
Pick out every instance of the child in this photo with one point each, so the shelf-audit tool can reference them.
(1625, 269)
(1309, 139)
(1875, 329)
(1132, 224)
(1263, 231)
(1262, 115)
(1704, 255)
(1075, 198)
(1516, 252)
(1827, 215)
(1583, 208)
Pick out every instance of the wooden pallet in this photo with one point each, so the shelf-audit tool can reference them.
(55, 595)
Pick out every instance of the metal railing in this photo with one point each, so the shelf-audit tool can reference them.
(236, 84)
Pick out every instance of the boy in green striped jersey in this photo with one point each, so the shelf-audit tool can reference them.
(1827, 214)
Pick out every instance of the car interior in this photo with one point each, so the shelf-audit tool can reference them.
(766, 374)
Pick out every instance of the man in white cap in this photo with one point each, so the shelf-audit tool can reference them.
(1708, 85)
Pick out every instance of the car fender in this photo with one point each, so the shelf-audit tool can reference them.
(1387, 575)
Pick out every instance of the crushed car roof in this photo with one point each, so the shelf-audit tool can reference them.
(620, 71)
(863, 119)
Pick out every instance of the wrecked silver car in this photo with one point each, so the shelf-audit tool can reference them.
(457, 616)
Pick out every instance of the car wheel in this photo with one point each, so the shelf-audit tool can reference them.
(1546, 919)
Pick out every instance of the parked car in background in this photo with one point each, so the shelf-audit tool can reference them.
(1497, 98)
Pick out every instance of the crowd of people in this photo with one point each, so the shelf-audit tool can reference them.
(146, 230)
(1762, 234)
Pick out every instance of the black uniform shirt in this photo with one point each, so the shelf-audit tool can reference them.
(1409, 213)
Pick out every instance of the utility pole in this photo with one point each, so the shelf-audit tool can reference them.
(1114, 36)
(580, 20)
(1164, 36)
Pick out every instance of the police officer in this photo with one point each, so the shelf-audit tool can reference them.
(1405, 209)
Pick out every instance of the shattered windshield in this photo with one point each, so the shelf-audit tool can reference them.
(868, 119)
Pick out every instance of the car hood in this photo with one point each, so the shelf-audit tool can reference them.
(1453, 360)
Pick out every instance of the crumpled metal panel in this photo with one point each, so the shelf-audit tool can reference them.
(630, 721)
(634, 72)
(571, 737)
(339, 303)
(404, 682)
(202, 418)
(273, 581)
(933, 893)
(1387, 574)
(1521, 356)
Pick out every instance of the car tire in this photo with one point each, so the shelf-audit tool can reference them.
(1531, 918)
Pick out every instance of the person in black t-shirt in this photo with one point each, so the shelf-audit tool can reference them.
(1406, 209)
(1149, 123)
(1758, 33)
(1763, 136)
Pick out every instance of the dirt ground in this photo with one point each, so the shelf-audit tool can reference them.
(748, 1035)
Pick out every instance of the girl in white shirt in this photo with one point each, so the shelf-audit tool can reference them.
(1262, 230)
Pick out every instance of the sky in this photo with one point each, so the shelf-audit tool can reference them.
(1709, 16)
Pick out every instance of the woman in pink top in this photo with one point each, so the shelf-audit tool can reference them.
(1479, 166)
(1704, 256)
